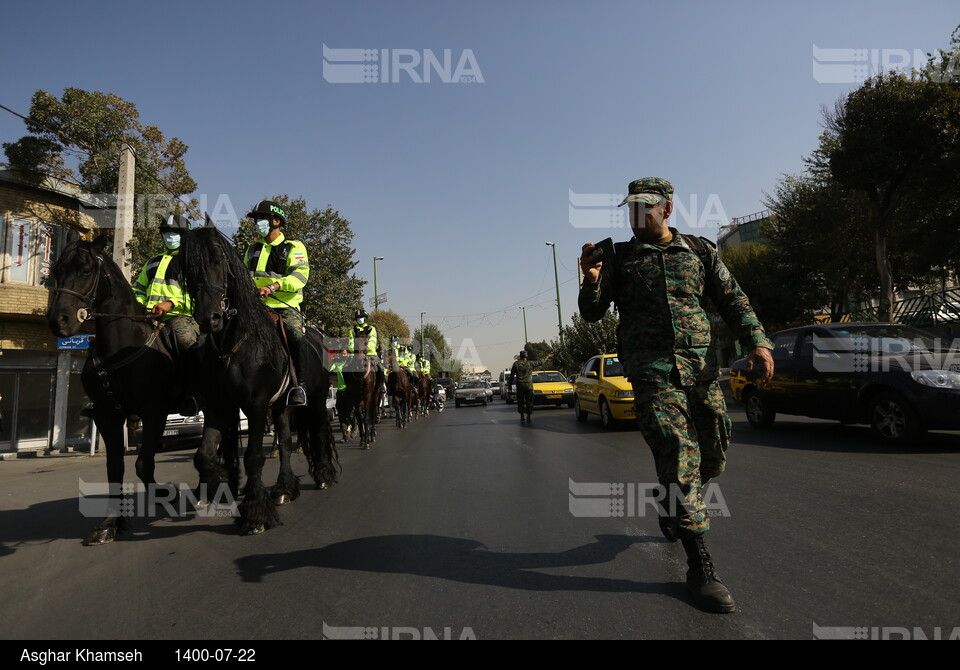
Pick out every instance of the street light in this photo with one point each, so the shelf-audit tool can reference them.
(557, 280)
(376, 296)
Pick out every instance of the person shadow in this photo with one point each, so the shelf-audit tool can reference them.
(466, 561)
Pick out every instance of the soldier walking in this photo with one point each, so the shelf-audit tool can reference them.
(521, 374)
(658, 282)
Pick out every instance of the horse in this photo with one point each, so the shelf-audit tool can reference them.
(363, 380)
(127, 372)
(423, 393)
(252, 371)
(400, 393)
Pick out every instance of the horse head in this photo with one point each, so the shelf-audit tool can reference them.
(207, 276)
(76, 285)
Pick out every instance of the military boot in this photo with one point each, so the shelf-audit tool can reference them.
(705, 586)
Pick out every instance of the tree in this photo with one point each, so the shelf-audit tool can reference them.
(581, 340)
(537, 351)
(388, 324)
(896, 141)
(332, 293)
(79, 138)
(435, 344)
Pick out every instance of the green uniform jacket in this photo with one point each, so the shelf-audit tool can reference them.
(660, 292)
(158, 282)
(283, 261)
(522, 372)
(337, 366)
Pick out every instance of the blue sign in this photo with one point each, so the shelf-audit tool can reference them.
(75, 342)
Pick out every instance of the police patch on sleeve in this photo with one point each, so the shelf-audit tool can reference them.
(724, 272)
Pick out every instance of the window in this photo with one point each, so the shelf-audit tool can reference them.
(29, 249)
(593, 365)
(783, 346)
(612, 367)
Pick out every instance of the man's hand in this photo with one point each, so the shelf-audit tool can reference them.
(264, 291)
(161, 308)
(591, 269)
(763, 356)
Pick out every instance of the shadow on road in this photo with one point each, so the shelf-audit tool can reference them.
(464, 561)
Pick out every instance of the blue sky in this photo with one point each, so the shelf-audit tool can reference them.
(459, 185)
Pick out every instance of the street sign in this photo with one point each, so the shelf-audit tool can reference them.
(77, 342)
(379, 300)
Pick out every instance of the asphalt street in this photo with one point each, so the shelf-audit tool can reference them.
(470, 524)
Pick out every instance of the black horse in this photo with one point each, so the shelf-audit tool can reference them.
(400, 392)
(252, 373)
(128, 372)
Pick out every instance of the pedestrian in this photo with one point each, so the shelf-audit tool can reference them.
(280, 270)
(658, 282)
(521, 374)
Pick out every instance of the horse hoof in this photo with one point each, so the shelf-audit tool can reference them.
(256, 530)
(101, 536)
(282, 500)
(324, 485)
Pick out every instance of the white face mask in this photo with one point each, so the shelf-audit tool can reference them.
(171, 240)
(361, 320)
(263, 227)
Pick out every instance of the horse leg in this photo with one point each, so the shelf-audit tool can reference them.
(323, 445)
(165, 495)
(257, 511)
(287, 488)
(111, 427)
(213, 475)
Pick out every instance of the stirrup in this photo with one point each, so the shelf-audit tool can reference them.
(296, 397)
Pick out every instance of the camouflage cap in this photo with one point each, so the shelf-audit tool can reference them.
(648, 190)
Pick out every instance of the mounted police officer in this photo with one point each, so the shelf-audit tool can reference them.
(658, 282)
(363, 336)
(280, 270)
(157, 288)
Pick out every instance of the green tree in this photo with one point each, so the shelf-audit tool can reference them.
(333, 292)
(581, 340)
(537, 351)
(79, 136)
(388, 324)
(435, 344)
(896, 141)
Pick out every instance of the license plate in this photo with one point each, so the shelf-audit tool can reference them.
(554, 397)
(172, 431)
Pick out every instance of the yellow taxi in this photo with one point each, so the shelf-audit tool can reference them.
(551, 388)
(603, 390)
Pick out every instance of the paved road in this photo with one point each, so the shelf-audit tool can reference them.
(463, 521)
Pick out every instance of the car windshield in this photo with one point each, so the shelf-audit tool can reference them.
(542, 377)
(887, 339)
(612, 367)
(471, 385)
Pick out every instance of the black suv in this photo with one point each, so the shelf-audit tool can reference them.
(900, 380)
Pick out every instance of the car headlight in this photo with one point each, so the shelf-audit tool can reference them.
(941, 379)
(624, 394)
(537, 392)
(568, 390)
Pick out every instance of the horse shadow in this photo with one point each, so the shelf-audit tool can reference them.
(466, 561)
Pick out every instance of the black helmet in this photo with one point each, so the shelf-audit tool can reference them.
(176, 223)
(268, 209)
(360, 314)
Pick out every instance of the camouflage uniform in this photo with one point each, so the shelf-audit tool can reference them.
(521, 374)
(666, 348)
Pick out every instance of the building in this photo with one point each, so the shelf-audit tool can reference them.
(35, 376)
(743, 229)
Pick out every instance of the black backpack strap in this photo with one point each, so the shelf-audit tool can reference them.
(701, 246)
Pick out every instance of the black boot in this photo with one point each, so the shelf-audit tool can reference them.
(297, 396)
(705, 586)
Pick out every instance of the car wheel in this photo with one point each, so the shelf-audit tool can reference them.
(893, 419)
(581, 415)
(759, 413)
(606, 416)
(456, 403)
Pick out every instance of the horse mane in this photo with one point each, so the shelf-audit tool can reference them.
(200, 250)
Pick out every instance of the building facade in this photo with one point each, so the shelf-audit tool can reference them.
(37, 378)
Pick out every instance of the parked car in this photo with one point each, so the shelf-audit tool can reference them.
(495, 386)
(181, 430)
(507, 392)
(449, 386)
(900, 380)
(471, 392)
(551, 388)
(602, 389)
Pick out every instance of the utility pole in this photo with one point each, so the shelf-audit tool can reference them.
(557, 280)
(376, 296)
(526, 338)
(123, 231)
(421, 332)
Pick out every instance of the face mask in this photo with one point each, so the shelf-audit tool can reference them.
(361, 320)
(171, 240)
(263, 227)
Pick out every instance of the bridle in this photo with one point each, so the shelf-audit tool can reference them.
(84, 314)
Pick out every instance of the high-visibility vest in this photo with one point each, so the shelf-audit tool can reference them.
(425, 366)
(365, 332)
(282, 261)
(154, 286)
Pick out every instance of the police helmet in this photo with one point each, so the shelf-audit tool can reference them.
(176, 223)
(360, 314)
(268, 209)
